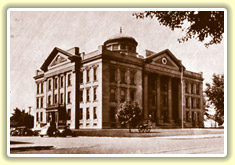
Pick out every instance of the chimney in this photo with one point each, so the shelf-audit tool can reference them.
(76, 50)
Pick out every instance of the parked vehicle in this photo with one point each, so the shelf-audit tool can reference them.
(65, 131)
(145, 126)
(22, 131)
(14, 132)
(51, 131)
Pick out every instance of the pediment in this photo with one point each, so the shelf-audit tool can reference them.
(164, 59)
(59, 58)
(56, 57)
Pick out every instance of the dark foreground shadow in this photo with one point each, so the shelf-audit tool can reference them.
(18, 142)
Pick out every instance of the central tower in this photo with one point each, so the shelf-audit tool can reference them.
(121, 43)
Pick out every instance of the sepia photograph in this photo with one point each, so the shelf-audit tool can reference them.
(117, 82)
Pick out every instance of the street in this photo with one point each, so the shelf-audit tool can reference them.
(191, 144)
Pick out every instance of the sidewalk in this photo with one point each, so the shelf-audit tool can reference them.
(153, 132)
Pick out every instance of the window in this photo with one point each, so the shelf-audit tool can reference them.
(153, 84)
(95, 74)
(187, 116)
(131, 48)
(88, 95)
(112, 94)
(95, 113)
(87, 113)
(192, 88)
(69, 114)
(187, 102)
(81, 76)
(187, 87)
(132, 94)
(37, 88)
(109, 47)
(123, 76)
(112, 114)
(164, 100)
(49, 100)
(88, 75)
(115, 47)
(42, 87)
(62, 81)
(69, 80)
(69, 97)
(81, 95)
(123, 94)
(37, 118)
(132, 77)
(55, 98)
(198, 103)
(123, 46)
(154, 98)
(164, 84)
(49, 85)
(56, 82)
(81, 114)
(192, 102)
(41, 116)
(61, 98)
(198, 116)
(37, 103)
(112, 75)
(198, 89)
(41, 102)
(193, 116)
(95, 93)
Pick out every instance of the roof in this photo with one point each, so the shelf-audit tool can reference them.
(120, 37)
(170, 54)
(52, 56)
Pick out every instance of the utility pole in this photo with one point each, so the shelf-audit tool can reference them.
(30, 110)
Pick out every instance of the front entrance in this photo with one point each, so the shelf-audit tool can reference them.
(56, 117)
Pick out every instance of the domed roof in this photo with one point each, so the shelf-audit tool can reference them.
(121, 37)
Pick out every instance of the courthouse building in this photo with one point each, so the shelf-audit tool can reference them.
(84, 90)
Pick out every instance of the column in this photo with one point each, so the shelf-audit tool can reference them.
(201, 104)
(58, 86)
(145, 94)
(180, 100)
(53, 90)
(159, 118)
(169, 101)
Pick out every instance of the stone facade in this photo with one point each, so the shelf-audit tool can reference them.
(84, 90)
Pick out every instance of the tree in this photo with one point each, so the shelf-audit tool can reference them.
(215, 94)
(201, 25)
(20, 118)
(129, 113)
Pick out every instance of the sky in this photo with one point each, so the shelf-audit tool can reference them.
(34, 34)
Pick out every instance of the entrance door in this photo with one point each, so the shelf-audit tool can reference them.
(52, 117)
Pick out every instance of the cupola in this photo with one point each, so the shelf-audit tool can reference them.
(121, 43)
